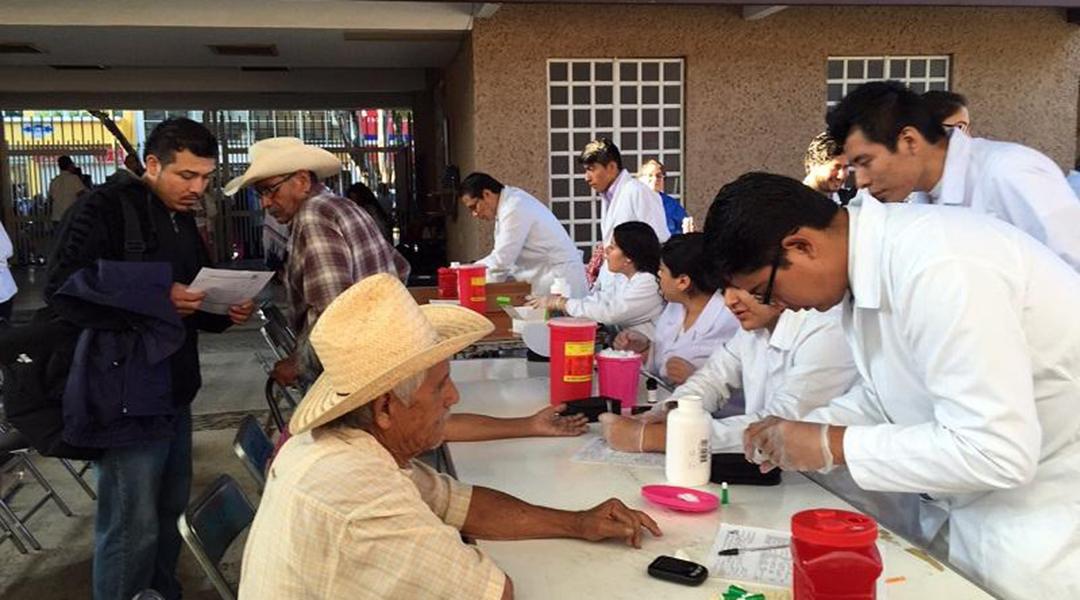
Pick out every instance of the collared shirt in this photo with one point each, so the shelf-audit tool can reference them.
(64, 190)
(627, 199)
(340, 519)
(801, 365)
(633, 305)
(712, 329)
(333, 244)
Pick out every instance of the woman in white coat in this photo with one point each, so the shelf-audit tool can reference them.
(695, 321)
(786, 363)
(634, 252)
(7, 282)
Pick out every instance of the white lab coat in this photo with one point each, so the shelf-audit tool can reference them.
(634, 305)
(7, 282)
(629, 200)
(965, 334)
(1014, 183)
(803, 364)
(1074, 181)
(531, 245)
(712, 329)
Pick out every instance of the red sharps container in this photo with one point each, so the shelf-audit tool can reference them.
(835, 555)
(472, 290)
(573, 343)
(447, 282)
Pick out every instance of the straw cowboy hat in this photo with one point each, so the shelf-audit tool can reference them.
(281, 156)
(372, 337)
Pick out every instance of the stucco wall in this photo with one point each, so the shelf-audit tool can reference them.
(755, 90)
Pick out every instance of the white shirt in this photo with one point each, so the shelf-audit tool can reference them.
(1074, 181)
(627, 199)
(1016, 184)
(633, 305)
(803, 364)
(531, 245)
(712, 329)
(64, 189)
(7, 282)
(966, 335)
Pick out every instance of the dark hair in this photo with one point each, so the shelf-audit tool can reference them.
(64, 162)
(822, 149)
(881, 110)
(684, 254)
(365, 199)
(750, 217)
(178, 134)
(475, 184)
(601, 151)
(639, 243)
(943, 105)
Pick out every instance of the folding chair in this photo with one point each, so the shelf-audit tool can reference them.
(254, 448)
(210, 525)
(15, 453)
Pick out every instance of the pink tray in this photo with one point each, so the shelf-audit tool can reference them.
(679, 498)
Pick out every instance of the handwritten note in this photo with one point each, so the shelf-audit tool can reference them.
(597, 451)
(770, 567)
(225, 287)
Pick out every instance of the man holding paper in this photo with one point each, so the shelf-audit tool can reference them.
(143, 487)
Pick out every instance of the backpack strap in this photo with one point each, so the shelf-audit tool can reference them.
(134, 245)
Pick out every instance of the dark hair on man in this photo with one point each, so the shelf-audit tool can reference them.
(602, 152)
(751, 216)
(822, 149)
(881, 110)
(684, 254)
(943, 105)
(366, 199)
(475, 184)
(178, 134)
(65, 162)
(639, 243)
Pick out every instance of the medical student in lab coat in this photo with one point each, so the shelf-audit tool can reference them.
(530, 243)
(897, 147)
(634, 253)
(965, 335)
(695, 321)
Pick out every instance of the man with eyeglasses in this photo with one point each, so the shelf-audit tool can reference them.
(897, 146)
(333, 243)
(965, 336)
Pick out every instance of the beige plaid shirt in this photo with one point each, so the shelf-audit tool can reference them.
(340, 519)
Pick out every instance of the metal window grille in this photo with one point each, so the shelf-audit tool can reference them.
(920, 73)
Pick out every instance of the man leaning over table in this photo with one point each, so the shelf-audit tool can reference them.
(348, 513)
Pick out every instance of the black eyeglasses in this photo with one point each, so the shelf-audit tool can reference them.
(271, 190)
(766, 297)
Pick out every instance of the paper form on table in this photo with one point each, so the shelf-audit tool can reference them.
(771, 567)
(598, 452)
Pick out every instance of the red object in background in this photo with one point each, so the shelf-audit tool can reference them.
(448, 278)
(573, 344)
(472, 287)
(834, 555)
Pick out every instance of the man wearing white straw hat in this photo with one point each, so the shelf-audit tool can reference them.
(332, 242)
(348, 513)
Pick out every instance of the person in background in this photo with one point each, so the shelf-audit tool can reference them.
(64, 189)
(897, 147)
(530, 243)
(948, 108)
(348, 511)
(651, 173)
(366, 199)
(695, 322)
(634, 253)
(827, 168)
(8, 289)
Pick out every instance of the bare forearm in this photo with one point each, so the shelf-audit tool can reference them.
(479, 428)
(494, 515)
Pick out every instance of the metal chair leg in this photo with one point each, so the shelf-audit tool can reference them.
(45, 484)
(18, 526)
(5, 515)
(78, 475)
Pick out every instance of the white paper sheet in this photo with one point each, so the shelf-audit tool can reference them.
(225, 287)
(596, 451)
(770, 567)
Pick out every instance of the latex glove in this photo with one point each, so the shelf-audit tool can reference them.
(549, 422)
(546, 302)
(612, 519)
(679, 370)
(790, 445)
(634, 341)
(623, 433)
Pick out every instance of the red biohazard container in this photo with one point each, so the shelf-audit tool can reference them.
(573, 343)
(448, 278)
(834, 554)
(471, 287)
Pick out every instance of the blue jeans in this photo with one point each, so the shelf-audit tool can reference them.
(142, 491)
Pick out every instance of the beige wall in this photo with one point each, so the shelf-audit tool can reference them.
(755, 90)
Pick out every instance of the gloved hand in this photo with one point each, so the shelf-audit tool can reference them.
(634, 341)
(679, 370)
(790, 445)
(623, 433)
(546, 302)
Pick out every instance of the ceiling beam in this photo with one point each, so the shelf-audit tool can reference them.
(756, 13)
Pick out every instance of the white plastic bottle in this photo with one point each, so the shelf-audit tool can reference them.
(688, 457)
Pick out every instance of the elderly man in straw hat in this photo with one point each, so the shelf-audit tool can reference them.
(332, 242)
(348, 513)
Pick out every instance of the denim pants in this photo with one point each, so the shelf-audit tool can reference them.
(142, 491)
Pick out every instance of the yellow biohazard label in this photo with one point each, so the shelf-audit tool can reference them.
(577, 361)
(480, 281)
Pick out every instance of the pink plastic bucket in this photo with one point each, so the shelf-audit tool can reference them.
(619, 377)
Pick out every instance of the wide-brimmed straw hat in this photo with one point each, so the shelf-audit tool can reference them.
(283, 155)
(374, 336)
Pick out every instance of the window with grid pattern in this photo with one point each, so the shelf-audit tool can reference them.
(920, 73)
(637, 103)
